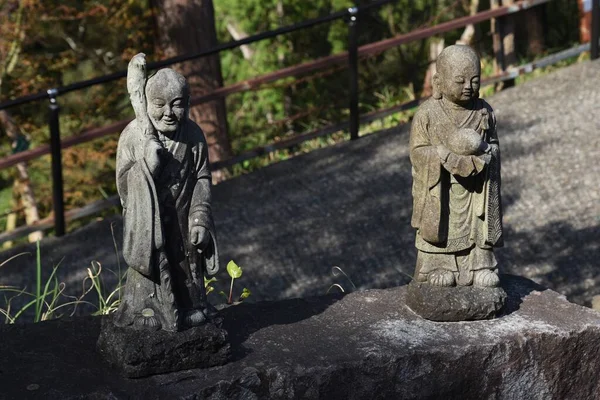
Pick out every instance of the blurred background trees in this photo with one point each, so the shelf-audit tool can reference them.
(50, 43)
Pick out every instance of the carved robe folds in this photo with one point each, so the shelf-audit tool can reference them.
(166, 272)
(456, 198)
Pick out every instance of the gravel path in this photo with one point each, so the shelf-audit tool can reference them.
(349, 205)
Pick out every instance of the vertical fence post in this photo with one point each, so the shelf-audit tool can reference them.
(57, 177)
(353, 63)
(595, 36)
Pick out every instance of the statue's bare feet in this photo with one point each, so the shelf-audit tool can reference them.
(421, 277)
(147, 320)
(486, 278)
(441, 277)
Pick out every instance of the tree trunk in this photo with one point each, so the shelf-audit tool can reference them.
(503, 31)
(535, 29)
(508, 39)
(435, 48)
(185, 27)
(469, 32)
(237, 34)
(585, 21)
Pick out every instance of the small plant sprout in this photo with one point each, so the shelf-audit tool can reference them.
(336, 272)
(46, 298)
(234, 272)
(107, 303)
(207, 283)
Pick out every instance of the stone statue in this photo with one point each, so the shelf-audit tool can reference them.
(164, 183)
(455, 159)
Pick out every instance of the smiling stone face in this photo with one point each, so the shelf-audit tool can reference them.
(167, 94)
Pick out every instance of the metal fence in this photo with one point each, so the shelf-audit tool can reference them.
(352, 16)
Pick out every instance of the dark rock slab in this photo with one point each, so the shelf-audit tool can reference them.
(459, 303)
(138, 353)
(366, 345)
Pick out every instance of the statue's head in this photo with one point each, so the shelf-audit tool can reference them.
(168, 97)
(458, 74)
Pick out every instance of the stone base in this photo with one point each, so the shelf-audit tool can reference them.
(364, 345)
(138, 353)
(457, 303)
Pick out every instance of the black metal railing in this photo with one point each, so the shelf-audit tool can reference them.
(351, 15)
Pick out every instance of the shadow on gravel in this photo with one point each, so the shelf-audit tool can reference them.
(557, 255)
(348, 206)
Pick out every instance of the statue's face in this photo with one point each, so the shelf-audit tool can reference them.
(460, 81)
(167, 107)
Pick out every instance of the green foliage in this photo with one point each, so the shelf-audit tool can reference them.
(235, 272)
(60, 42)
(44, 300)
(337, 272)
(288, 107)
(207, 283)
(48, 299)
(53, 43)
(108, 302)
(245, 294)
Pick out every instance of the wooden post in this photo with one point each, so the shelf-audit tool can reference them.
(497, 40)
(535, 17)
(503, 35)
(585, 20)
(435, 48)
(595, 34)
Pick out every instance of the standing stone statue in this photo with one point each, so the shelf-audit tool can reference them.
(164, 182)
(457, 210)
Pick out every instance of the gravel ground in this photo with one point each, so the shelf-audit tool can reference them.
(349, 205)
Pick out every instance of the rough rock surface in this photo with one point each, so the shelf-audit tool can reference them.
(138, 353)
(458, 303)
(366, 345)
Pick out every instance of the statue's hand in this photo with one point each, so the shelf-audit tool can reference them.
(139, 60)
(486, 158)
(199, 236)
(485, 147)
(152, 151)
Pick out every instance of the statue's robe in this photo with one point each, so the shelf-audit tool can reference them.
(166, 272)
(456, 198)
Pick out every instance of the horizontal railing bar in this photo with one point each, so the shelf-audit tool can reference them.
(378, 47)
(187, 57)
(44, 149)
(328, 130)
(112, 201)
(71, 215)
(513, 72)
(337, 59)
(501, 11)
(366, 118)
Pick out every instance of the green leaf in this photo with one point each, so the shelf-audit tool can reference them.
(222, 293)
(209, 281)
(234, 270)
(245, 294)
(209, 289)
